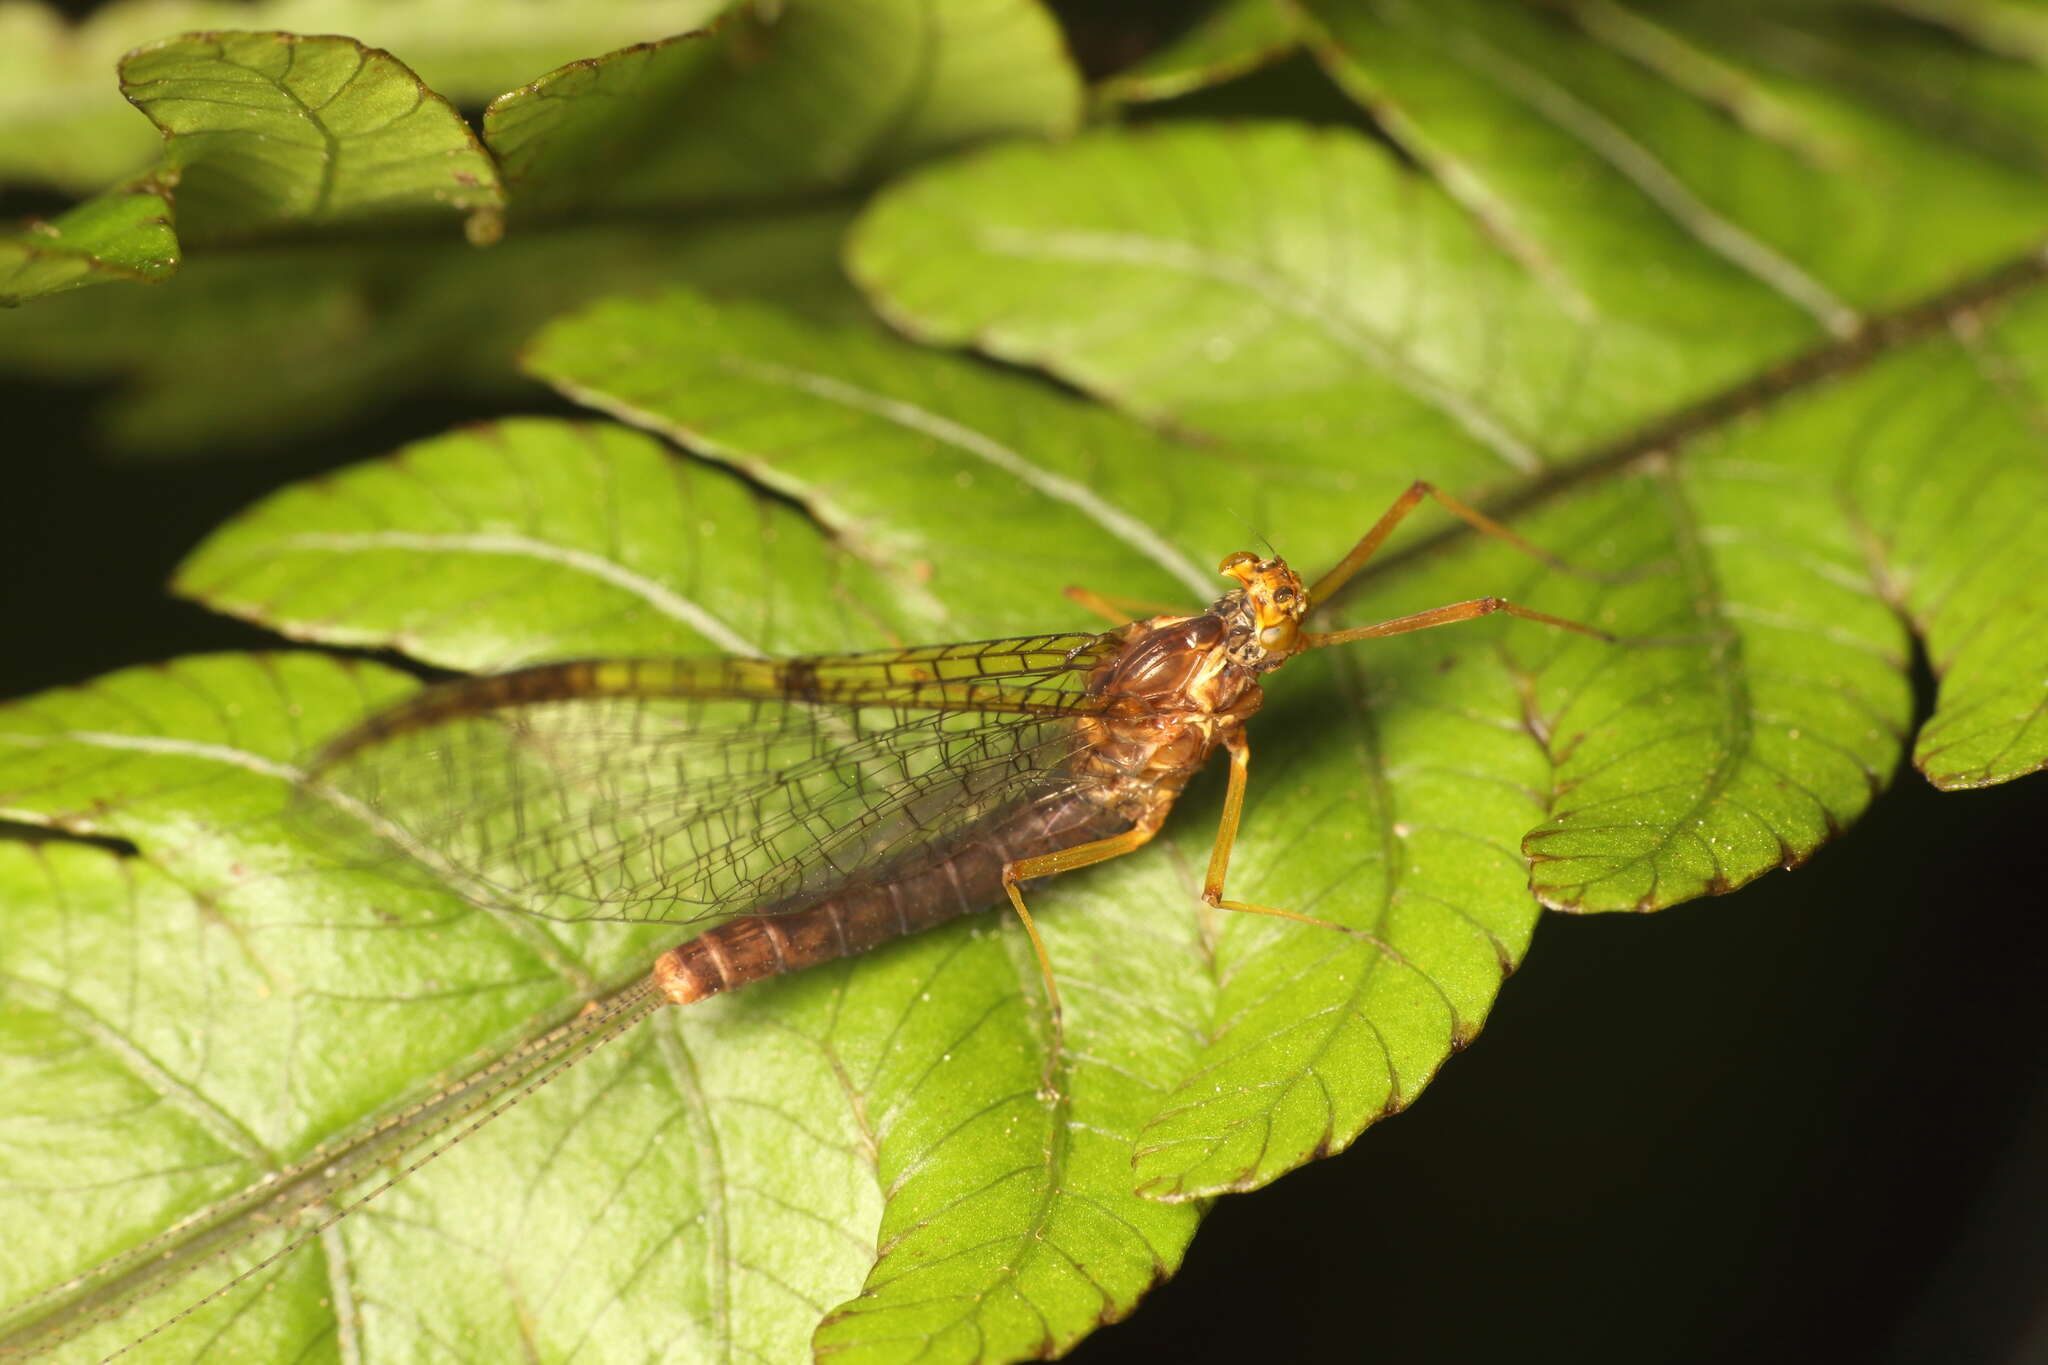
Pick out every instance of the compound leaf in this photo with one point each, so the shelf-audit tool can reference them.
(1775, 447)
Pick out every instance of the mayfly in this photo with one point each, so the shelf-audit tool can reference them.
(806, 809)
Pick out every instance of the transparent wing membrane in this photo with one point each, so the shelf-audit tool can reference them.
(691, 789)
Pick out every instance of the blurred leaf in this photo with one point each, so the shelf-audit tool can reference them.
(270, 130)
(346, 324)
(1234, 37)
(822, 97)
(64, 124)
(123, 234)
(339, 331)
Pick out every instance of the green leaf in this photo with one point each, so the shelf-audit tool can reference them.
(64, 124)
(824, 96)
(1233, 38)
(551, 539)
(124, 234)
(269, 130)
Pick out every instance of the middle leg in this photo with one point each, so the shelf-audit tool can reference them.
(1226, 837)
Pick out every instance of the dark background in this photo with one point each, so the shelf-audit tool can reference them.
(1806, 1121)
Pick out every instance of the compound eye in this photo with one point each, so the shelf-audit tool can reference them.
(1283, 594)
(1241, 560)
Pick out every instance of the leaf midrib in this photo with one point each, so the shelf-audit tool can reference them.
(1883, 335)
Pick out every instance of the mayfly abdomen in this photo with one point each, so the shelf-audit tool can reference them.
(923, 892)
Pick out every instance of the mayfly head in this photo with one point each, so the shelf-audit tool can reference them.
(1275, 597)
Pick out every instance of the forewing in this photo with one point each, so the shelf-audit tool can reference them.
(689, 789)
